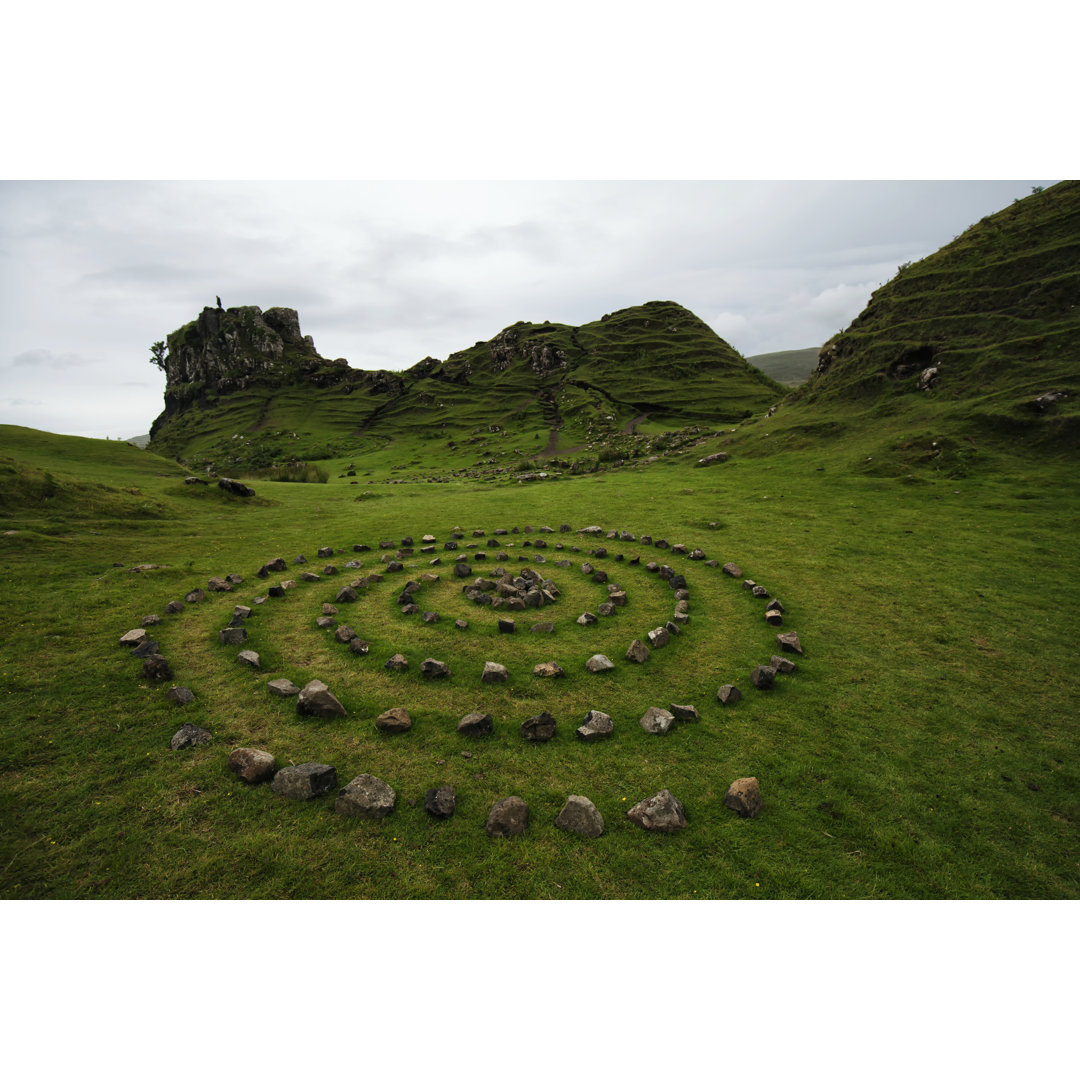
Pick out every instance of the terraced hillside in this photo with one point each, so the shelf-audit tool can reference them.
(976, 346)
(534, 390)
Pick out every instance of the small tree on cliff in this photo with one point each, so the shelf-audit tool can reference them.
(157, 355)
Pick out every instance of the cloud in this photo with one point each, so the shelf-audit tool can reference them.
(21, 403)
(45, 358)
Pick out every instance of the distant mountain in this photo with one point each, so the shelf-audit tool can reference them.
(245, 387)
(792, 367)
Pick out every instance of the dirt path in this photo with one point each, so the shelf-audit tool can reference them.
(628, 429)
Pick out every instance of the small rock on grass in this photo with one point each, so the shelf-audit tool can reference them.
(657, 721)
(306, 781)
(744, 797)
(580, 816)
(317, 700)
(393, 720)
(728, 694)
(441, 802)
(251, 765)
(189, 735)
(789, 642)
(538, 728)
(476, 724)
(598, 663)
(684, 712)
(366, 796)
(763, 677)
(179, 695)
(508, 817)
(597, 725)
(661, 812)
(282, 688)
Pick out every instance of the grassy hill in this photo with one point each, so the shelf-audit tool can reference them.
(549, 391)
(963, 358)
(791, 367)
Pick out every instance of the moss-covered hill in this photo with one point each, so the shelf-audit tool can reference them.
(242, 396)
(983, 336)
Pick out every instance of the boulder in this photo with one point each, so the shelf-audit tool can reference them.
(359, 646)
(133, 638)
(397, 662)
(538, 728)
(684, 712)
(586, 618)
(763, 677)
(732, 570)
(249, 657)
(789, 642)
(156, 667)
(494, 673)
(542, 628)
(774, 618)
(440, 802)
(728, 694)
(316, 700)
(506, 626)
(657, 721)
(598, 662)
(434, 669)
(232, 635)
(712, 459)
(476, 724)
(775, 605)
(782, 665)
(306, 781)
(251, 765)
(580, 816)
(344, 634)
(179, 695)
(549, 669)
(234, 487)
(638, 652)
(508, 817)
(189, 735)
(659, 637)
(195, 596)
(217, 584)
(282, 688)
(393, 721)
(597, 725)
(346, 595)
(661, 812)
(365, 796)
(744, 797)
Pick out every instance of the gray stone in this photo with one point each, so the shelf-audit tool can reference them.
(476, 724)
(763, 677)
(249, 657)
(661, 812)
(598, 662)
(638, 652)
(156, 667)
(744, 797)
(598, 725)
(393, 721)
(494, 673)
(344, 634)
(586, 618)
(346, 595)
(242, 611)
(542, 628)
(506, 626)
(306, 781)
(732, 570)
(774, 618)
(659, 637)
(282, 688)
(774, 605)
(789, 642)
(397, 662)
(684, 712)
(728, 694)
(316, 700)
(434, 669)
(657, 721)
(461, 624)
(251, 765)
(580, 816)
(133, 638)
(179, 695)
(508, 817)
(189, 735)
(549, 669)
(441, 802)
(782, 665)
(195, 596)
(365, 796)
(359, 646)
(538, 728)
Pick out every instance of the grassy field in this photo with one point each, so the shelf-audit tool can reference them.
(925, 747)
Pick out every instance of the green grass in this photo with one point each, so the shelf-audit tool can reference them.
(925, 747)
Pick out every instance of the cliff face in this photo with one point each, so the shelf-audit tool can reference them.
(226, 349)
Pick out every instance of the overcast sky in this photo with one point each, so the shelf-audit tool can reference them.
(386, 273)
